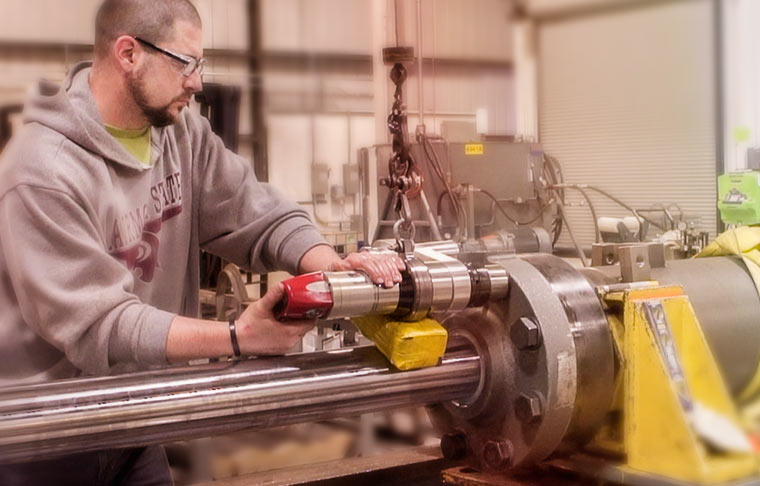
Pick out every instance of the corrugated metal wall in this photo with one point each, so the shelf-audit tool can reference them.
(627, 103)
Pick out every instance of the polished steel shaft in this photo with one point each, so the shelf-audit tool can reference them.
(446, 285)
(53, 419)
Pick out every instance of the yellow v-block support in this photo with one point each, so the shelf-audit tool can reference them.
(679, 418)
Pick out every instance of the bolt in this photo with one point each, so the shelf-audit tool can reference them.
(528, 407)
(454, 446)
(525, 334)
(497, 454)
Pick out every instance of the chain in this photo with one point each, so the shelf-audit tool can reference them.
(403, 178)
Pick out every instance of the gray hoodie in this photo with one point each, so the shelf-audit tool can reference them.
(98, 253)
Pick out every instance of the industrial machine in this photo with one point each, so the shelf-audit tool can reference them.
(635, 370)
(440, 189)
(493, 185)
(648, 369)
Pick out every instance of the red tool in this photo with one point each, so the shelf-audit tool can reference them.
(307, 296)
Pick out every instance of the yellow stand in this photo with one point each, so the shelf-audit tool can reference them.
(659, 433)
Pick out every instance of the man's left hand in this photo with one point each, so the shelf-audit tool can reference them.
(382, 267)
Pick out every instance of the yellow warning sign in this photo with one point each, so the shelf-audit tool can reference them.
(473, 149)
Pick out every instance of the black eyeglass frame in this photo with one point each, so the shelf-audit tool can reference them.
(191, 63)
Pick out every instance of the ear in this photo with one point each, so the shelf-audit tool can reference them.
(126, 53)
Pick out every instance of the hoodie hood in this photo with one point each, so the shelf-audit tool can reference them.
(70, 110)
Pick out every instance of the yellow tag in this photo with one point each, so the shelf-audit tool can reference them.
(473, 149)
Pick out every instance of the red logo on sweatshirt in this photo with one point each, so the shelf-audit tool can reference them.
(135, 235)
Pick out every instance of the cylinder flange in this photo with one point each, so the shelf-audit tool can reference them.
(553, 380)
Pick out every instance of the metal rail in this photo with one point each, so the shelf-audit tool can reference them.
(71, 416)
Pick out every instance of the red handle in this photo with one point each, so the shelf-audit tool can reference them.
(307, 296)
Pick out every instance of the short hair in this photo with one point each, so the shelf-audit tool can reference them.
(152, 20)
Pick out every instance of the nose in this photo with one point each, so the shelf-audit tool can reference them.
(194, 82)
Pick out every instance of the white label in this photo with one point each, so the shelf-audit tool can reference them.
(319, 287)
(565, 380)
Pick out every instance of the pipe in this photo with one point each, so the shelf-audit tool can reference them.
(470, 195)
(578, 248)
(419, 66)
(436, 232)
(72, 416)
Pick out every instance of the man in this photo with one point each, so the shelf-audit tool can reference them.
(106, 196)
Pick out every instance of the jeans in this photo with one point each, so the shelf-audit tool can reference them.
(145, 466)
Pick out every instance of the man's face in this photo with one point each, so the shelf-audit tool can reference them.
(157, 85)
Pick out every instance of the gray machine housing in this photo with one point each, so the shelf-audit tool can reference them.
(513, 173)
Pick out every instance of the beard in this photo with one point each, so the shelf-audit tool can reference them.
(157, 116)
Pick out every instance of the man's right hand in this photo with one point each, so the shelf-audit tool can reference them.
(258, 331)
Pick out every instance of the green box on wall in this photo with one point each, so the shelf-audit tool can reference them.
(739, 198)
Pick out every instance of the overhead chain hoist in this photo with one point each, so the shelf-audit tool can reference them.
(403, 180)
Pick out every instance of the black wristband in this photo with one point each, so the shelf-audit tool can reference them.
(233, 338)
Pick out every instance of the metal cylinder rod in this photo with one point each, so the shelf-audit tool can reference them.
(470, 196)
(420, 86)
(433, 286)
(436, 232)
(72, 416)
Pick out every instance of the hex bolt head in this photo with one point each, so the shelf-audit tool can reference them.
(454, 446)
(528, 407)
(497, 454)
(525, 334)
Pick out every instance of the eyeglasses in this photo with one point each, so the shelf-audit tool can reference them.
(191, 63)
